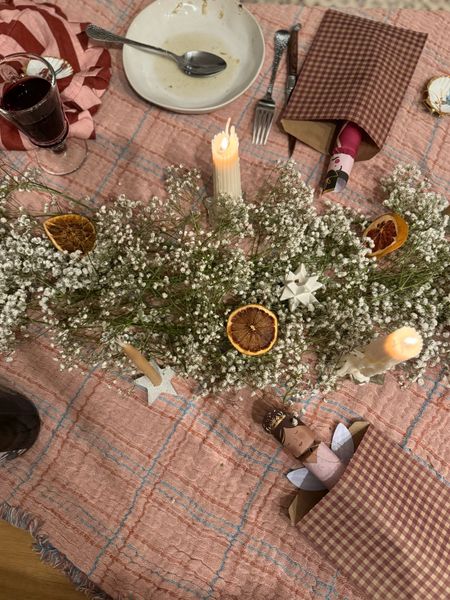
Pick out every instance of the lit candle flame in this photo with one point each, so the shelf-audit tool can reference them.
(224, 144)
(226, 139)
(403, 344)
(225, 155)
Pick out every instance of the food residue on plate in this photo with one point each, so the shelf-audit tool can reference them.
(177, 84)
(177, 7)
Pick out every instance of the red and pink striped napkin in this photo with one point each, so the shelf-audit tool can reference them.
(44, 30)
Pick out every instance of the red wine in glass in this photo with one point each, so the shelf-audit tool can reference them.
(46, 125)
(29, 99)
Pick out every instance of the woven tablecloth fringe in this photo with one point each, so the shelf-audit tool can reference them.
(48, 553)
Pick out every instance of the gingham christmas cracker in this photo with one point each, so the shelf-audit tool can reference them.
(357, 70)
(386, 525)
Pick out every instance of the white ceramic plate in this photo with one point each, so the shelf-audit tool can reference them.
(219, 26)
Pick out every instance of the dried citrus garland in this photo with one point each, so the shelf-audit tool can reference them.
(71, 232)
(252, 329)
(388, 233)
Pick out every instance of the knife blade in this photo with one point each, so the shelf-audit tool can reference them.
(291, 80)
(292, 61)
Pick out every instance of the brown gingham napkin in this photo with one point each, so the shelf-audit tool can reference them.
(386, 525)
(356, 70)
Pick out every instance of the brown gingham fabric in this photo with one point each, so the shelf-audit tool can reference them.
(386, 525)
(358, 70)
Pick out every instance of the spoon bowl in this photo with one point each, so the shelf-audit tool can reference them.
(199, 63)
(195, 63)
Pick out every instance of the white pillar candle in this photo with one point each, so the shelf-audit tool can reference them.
(400, 345)
(225, 156)
(382, 354)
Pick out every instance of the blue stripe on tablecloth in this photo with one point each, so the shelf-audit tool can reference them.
(288, 570)
(110, 6)
(141, 486)
(309, 399)
(331, 593)
(436, 57)
(424, 158)
(123, 14)
(136, 558)
(124, 150)
(242, 522)
(430, 467)
(351, 196)
(422, 409)
(318, 167)
(258, 543)
(226, 435)
(354, 414)
(336, 412)
(53, 433)
(210, 429)
(99, 529)
(206, 518)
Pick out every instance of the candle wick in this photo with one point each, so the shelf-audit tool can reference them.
(227, 128)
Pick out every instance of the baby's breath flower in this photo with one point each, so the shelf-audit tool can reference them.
(164, 276)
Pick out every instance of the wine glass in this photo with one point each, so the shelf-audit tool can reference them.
(29, 98)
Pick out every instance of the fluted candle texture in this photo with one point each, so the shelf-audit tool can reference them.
(225, 156)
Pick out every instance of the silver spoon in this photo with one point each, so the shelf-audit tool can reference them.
(195, 62)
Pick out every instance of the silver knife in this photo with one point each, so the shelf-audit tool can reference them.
(292, 65)
(292, 60)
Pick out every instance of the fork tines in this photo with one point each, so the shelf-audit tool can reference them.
(265, 111)
(265, 108)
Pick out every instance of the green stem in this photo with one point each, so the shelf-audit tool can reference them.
(50, 190)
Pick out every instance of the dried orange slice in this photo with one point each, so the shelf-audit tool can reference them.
(252, 329)
(71, 232)
(388, 232)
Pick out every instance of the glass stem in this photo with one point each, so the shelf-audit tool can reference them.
(60, 148)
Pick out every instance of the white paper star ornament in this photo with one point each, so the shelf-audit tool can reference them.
(289, 291)
(299, 288)
(165, 387)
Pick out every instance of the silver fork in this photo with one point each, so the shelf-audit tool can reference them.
(265, 109)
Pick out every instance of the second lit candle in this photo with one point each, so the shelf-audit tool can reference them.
(225, 156)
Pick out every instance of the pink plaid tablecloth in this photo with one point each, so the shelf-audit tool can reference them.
(188, 499)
